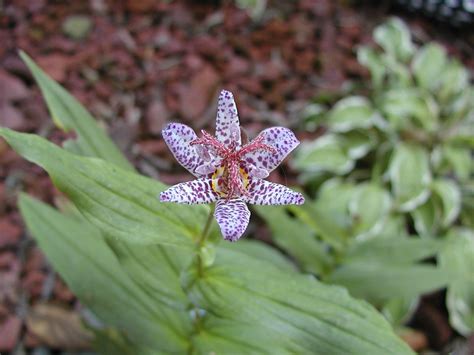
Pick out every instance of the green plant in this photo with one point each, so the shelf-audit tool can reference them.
(141, 266)
(394, 176)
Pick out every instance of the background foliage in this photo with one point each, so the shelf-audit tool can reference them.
(394, 176)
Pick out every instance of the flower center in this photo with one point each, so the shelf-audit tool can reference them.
(230, 181)
(231, 178)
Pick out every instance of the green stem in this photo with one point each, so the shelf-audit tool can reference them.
(202, 239)
(207, 228)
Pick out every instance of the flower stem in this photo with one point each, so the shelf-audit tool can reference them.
(202, 240)
(207, 227)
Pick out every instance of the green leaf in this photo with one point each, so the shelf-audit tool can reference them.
(398, 311)
(68, 114)
(458, 160)
(120, 203)
(358, 143)
(410, 176)
(395, 38)
(458, 257)
(326, 154)
(458, 111)
(369, 58)
(111, 342)
(428, 64)
(298, 313)
(398, 249)
(350, 113)
(369, 207)
(467, 210)
(450, 196)
(310, 253)
(395, 227)
(427, 217)
(90, 269)
(379, 281)
(328, 214)
(261, 252)
(454, 79)
(406, 107)
(155, 269)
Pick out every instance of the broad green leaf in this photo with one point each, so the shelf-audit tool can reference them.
(379, 281)
(458, 160)
(428, 64)
(462, 134)
(398, 73)
(313, 115)
(467, 210)
(358, 143)
(297, 239)
(111, 342)
(383, 153)
(427, 217)
(262, 252)
(368, 207)
(410, 176)
(458, 257)
(395, 227)
(398, 250)
(456, 112)
(325, 154)
(90, 269)
(120, 203)
(405, 107)
(155, 269)
(328, 214)
(68, 114)
(454, 79)
(450, 196)
(290, 313)
(398, 311)
(350, 113)
(395, 38)
(369, 58)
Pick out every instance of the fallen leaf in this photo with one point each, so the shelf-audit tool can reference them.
(195, 97)
(11, 88)
(58, 327)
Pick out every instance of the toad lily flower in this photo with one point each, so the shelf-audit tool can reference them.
(229, 173)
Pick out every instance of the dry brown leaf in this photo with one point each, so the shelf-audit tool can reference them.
(58, 327)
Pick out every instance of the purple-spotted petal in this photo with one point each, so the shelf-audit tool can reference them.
(261, 192)
(178, 136)
(233, 217)
(227, 120)
(282, 140)
(191, 192)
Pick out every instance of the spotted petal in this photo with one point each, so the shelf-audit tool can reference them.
(233, 217)
(191, 192)
(178, 136)
(282, 140)
(227, 120)
(261, 192)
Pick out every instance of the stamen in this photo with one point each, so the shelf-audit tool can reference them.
(256, 144)
(211, 141)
